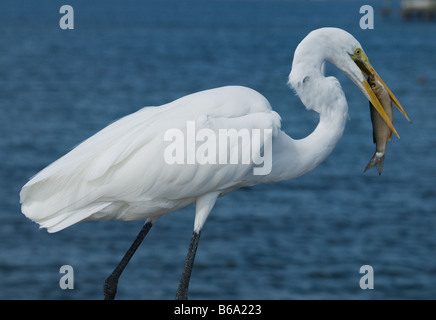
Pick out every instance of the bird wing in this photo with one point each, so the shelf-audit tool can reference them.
(120, 172)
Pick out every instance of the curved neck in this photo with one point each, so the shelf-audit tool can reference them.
(316, 147)
(293, 158)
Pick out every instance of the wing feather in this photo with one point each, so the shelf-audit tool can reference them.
(122, 166)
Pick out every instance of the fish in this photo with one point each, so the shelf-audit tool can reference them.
(380, 130)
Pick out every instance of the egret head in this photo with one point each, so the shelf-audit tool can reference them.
(342, 50)
(352, 60)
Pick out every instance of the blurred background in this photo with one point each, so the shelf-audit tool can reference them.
(300, 239)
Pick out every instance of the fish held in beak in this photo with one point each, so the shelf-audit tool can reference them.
(382, 133)
(361, 60)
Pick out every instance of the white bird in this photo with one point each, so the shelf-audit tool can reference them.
(121, 171)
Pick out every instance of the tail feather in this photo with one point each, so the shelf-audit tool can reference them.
(378, 160)
(62, 220)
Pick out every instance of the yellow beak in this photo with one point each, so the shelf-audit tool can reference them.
(366, 68)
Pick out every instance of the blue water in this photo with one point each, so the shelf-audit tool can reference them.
(300, 239)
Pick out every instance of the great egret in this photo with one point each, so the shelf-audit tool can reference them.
(120, 172)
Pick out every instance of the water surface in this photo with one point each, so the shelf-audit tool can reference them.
(300, 239)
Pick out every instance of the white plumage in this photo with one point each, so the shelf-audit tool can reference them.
(121, 173)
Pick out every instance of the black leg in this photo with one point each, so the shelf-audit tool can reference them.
(182, 291)
(111, 282)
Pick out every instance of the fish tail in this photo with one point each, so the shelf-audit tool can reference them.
(378, 160)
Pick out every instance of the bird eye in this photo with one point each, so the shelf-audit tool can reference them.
(357, 51)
